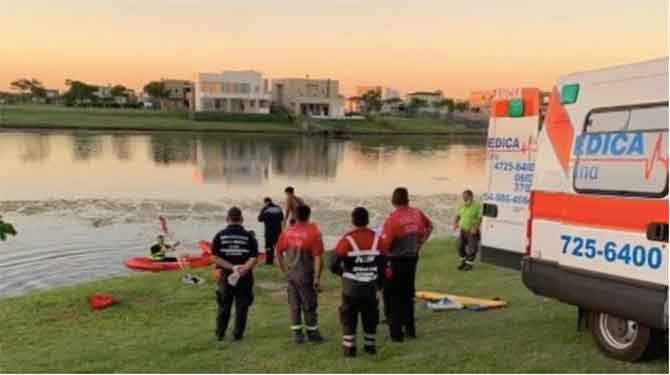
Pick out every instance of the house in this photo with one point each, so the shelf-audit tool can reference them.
(431, 100)
(179, 93)
(354, 104)
(242, 91)
(103, 92)
(318, 98)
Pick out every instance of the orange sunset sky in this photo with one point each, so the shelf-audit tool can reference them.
(453, 45)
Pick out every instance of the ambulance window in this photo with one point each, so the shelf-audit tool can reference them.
(610, 121)
(623, 157)
(649, 118)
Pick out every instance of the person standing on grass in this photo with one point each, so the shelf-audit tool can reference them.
(467, 222)
(272, 217)
(405, 230)
(360, 261)
(299, 252)
(292, 204)
(235, 251)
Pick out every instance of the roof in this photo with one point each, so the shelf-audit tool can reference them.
(427, 93)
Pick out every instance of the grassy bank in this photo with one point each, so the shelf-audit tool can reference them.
(58, 117)
(162, 325)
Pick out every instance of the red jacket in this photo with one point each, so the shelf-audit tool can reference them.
(404, 232)
(299, 244)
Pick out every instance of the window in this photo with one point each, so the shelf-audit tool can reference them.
(623, 151)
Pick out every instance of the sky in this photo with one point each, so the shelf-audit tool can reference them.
(453, 45)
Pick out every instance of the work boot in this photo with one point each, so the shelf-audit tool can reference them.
(350, 352)
(370, 349)
(314, 336)
(462, 265)
(298, 337)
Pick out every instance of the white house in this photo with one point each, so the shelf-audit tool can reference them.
(243, 91)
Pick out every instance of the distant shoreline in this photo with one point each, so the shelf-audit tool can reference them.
(20, 118)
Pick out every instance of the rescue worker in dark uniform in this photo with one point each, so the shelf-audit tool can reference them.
(299, 253)
(272, 217)
(405, 230)
(360, 261)
(235, 251)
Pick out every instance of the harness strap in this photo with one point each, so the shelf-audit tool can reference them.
(352, 243)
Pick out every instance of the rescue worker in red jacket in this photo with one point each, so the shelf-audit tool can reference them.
(405, 230)
(360, 260)
(299, 253)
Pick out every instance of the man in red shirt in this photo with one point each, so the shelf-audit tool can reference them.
(299, 253)
(360, 261)
(405, 230)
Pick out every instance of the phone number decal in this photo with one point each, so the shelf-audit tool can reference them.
(505, 198)
(631, 254)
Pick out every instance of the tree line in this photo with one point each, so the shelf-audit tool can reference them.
(80, 93)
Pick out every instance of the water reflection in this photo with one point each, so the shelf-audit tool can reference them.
(35, 148)
(121, 147)
(173, 149)
(86, 147)
(204, 166)
(307, 157)
(234, 161)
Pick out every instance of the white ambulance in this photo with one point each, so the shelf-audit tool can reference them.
(511, 146)
(597, 234)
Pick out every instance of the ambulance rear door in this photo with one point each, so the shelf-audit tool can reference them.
(511, 146)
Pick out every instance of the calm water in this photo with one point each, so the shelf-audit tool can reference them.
(85, 201)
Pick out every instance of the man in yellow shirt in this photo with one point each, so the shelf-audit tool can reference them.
(467, 220)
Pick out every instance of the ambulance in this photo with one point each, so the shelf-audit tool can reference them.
(597, 219)
(511, 147)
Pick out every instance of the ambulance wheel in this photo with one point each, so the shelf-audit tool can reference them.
(626, 340)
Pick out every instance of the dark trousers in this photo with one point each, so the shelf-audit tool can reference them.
(303, 302)
(242, 296)
(399, 298)
(351, 308)
(270, 250)
(468, 245)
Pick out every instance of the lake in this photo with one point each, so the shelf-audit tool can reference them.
(84, 201)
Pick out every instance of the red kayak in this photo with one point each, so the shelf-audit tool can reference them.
(148, 264)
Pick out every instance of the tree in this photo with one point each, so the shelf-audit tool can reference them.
(415, 105)
(449, 103)
(157, 90)
(79, 92)
(438, 105)
(372, 101)
(31, 87)
(119, 90)
(392, 104)
(6, 229)
(462, 106)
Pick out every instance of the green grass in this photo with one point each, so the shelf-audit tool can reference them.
(124, 119)
(162, 325)
(390, 125)
(59, 117)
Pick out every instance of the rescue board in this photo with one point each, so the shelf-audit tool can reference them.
(467, 302)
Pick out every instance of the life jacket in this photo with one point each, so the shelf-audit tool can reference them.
(360, 269)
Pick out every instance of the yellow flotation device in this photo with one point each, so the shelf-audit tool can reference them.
(467, 302)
